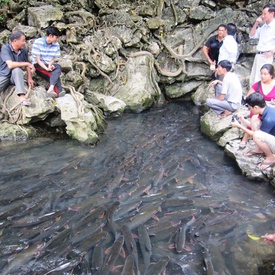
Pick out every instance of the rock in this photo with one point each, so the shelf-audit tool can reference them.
(79, 119)
(109, 104)
(42, 16)
(140, 90)
(16, 132)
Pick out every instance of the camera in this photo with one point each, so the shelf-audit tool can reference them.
(235, 117)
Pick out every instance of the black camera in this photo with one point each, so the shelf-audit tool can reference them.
(235, 117)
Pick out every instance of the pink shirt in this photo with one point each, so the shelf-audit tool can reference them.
(267, 97)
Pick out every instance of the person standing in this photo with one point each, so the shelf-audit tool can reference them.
(45, 51)
(231, 95)
(228, 51)
(212, 46)
(13, 58)
(229, 48)
(266, 45)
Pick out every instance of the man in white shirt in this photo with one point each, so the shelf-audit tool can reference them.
(229, 48)
(228, 51)
(266, 45)
(231, 95)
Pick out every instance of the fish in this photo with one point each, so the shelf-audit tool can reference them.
(181, 235)
(145, 246)
(159, 266)
(97, 258)
(130, 244)
(112, 256)
(129, 266)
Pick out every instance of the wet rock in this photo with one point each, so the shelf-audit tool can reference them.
(109, 104)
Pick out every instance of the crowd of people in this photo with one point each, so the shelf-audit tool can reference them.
(14, 58)
(260, 99)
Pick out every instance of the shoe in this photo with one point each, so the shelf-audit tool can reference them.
(25, 103)
(251, 153)
(267, 164)
(51, 93)
(61, 94)
(242, 146)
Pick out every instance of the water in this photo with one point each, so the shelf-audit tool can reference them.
(59, 200)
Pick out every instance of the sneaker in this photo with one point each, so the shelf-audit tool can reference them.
(61, 93)
(51, 93)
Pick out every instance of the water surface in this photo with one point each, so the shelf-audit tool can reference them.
(62, 201)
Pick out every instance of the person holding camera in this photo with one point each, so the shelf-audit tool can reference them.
(266, 87)
(262, 129)
(231, 95)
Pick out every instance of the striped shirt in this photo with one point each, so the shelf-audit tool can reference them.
(46, 52)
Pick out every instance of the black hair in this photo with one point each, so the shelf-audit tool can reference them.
(16, 35)
(231, 29)
(53, 31)
(269, 68)
(270, 7)
(256, 99)
(225, 64)
(221, 26)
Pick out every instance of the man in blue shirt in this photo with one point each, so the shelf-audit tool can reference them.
(13, 58)
(262, 129)
(45, 51)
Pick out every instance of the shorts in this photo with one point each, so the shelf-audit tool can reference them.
(267, 138)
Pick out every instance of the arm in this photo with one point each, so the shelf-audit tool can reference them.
(251, 91)
(255, 26)
(205, 52)
(238, 125)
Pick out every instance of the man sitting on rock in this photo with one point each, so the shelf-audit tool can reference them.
(231, 95)
(263, 129)
(45, 50)
(13, 58)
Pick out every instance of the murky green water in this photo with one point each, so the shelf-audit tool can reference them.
(63, 204)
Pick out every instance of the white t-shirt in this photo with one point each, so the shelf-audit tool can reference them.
(232, 89)
(229, 50)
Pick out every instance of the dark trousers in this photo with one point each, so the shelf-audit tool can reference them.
(53, 77)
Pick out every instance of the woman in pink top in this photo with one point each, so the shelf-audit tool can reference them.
(267, 88)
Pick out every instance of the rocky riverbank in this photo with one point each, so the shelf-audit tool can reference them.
(124, 56)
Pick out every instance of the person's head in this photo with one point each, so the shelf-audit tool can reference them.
(17, 39)
(221, 30)
(255, 102)
(267, 73)
(224, 66)
(268, 13)
(52, 34)
(231, 29)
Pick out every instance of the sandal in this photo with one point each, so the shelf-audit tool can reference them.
(267, 164)
(251, 153)
(242, 146)
(25, 102)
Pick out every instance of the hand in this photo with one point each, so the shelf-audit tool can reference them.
(269, 238)
(30, 82)
(259, 20)
(32, 68)
(213, 83)
(241, 119)
(272, 101)
(235, 123)
(268, 54)
(50, 68)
